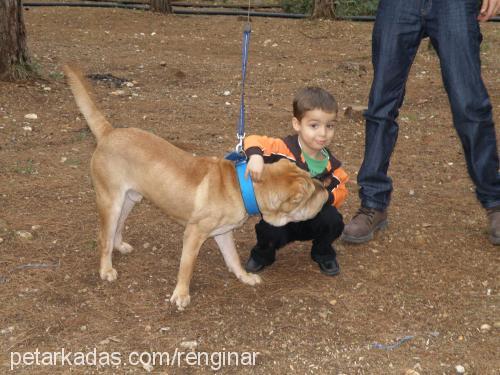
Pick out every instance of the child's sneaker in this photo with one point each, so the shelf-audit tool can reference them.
(329, 267)
(254, 266)
(364, 224)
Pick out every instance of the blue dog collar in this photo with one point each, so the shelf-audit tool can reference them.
(246, 184)
(246, 188)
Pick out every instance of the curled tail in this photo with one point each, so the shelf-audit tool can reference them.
(95, 119)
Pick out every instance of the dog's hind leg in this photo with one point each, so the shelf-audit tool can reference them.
(131, 199)
(193, 239)
(228, 249)
(109, 205)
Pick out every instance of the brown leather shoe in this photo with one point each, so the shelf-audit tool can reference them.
(494, 219)
(365, 223)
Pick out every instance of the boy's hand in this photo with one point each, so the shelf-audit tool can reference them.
(255, 167)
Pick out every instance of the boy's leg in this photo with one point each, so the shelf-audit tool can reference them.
(455, 33)
(396, 36)
(269, 240)
(323, 229)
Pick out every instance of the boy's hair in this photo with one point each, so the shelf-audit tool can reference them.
(310, 98)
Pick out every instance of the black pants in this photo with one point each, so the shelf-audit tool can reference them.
(323, 229)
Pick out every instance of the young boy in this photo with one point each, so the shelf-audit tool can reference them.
(314, 114)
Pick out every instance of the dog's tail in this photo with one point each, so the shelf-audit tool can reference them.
(95, 119)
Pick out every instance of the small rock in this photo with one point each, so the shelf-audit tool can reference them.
(153, 33)
(164, 329)
(83, 328)
(333, 302)
(191, 345)
(146, 245)
(485, 327)
(7, 330)
(27, 128)
(147, 366)
(63, 159)
(1, 239)
(36, 227)
(163, 63)
(355, 112)
(129, 84)
(46, 88)
(412, 192)
(496, 324)
(267, 42)
(411, 372)
(31, 116)
(460, 369)
(24, 234)
(227, 93)
(118, 92)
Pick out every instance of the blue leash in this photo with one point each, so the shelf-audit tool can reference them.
(238, 156)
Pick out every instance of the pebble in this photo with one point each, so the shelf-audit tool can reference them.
(227, 93)
(189, 344)
(24, 234)
(36, 227)
(460, 369)
(164, 329)
(485, 327)
(496, 324)
(31, 116)
(163, 63)
(333, 302)
(7, 330)
(27, 128)
(63, 159)
(146, 245)
(411, 372)
(1, 239)
(147, 366)
(83, 328)
(118, 92)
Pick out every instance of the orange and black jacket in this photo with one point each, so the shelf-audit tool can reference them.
(334, 177)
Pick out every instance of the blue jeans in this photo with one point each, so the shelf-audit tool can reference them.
(454, 31)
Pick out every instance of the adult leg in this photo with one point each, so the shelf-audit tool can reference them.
(396, 36)
(455, 32)
(397, 33)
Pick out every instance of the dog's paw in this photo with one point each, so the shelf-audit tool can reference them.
(124, 248)
(109, 274)
(250, 278)
(180, 299)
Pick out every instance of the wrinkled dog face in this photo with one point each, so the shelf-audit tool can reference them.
(287, 193)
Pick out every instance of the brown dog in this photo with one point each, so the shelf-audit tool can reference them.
(201, 193)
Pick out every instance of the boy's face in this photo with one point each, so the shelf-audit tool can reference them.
(315, 130)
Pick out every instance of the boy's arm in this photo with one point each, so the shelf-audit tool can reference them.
(339, 193)
(264, 146)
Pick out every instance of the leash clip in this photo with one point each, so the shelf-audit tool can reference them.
(239, 146)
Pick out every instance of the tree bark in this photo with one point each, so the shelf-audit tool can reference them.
(323, 9)
(162, 6)
(14, 57)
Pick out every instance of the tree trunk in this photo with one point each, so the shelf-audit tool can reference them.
(14, 57)
(323, 9)
(162, 6)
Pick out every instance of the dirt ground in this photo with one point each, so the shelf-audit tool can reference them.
(432, 275)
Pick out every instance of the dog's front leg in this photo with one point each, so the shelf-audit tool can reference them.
(232, 259)
(193, 239)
